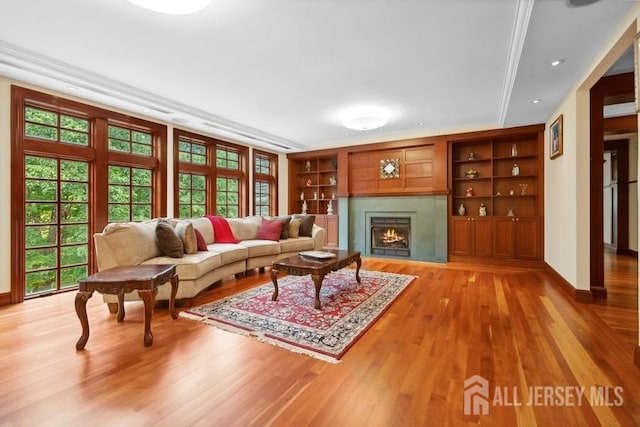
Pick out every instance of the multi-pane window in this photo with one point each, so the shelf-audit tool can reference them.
(56, 127)
(192, 195)
(192, 152)
(56, 229)
(228, 197)
(227, 158)
(130, 193)
(194, 172)
(262, 197)
(210, 178)
(231, 180)
(74, 169)
(265, 183)
(130, 141)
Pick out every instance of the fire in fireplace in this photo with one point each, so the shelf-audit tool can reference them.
(390, 236)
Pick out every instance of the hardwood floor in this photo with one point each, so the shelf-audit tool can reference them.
(514, 327)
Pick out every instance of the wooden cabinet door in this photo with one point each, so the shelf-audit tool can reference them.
(527, 239)
(481, 236)
(504, 238)
(332, 231)
(460, 236)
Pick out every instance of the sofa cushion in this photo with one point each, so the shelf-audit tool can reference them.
(201, 243)
(204, 226)
(294, 227)
(188, 236)
(286, 220)
(130, 242)
(270, 229)
(296, 244)
(307, 224)
(190, 267)
(229, 252)
(245, 228)
(221, 230)
(256, 248)
(168, 240)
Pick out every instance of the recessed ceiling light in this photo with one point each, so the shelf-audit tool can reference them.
(365, 118)
(536, 101)
(70, 87)
(557, 62)
(172, 7)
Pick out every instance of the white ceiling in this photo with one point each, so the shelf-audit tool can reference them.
(282, 71)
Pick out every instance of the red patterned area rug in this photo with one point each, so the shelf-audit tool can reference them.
(348, 309)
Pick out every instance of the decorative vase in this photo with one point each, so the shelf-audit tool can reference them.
(462, 210)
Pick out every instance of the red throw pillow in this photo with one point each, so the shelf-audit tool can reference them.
(221, 230)
(270, 229)
(200, 242)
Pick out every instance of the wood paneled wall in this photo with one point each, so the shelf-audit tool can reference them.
(423, 163)
(416, 171)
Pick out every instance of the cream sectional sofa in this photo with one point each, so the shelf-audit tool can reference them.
(135, 243)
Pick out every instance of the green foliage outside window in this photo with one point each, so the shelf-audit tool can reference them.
(192, 192)
(130, 194)
(52, 126)
(130, 141)
(56, 223)
(227, 197)
(227, 158)
(190, 152)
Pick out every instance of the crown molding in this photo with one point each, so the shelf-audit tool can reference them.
(520, 26)
(26, 61)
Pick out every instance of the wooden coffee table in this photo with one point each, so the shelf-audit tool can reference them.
(317, 268)
(124, 279)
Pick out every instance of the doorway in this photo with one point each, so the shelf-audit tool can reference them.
(610, 159)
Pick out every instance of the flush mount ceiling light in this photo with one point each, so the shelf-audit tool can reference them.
(580, 3)
(365, 119)
(172, 7)
(557, 62)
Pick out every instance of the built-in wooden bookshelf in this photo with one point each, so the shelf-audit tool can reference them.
(313, 182)
(496, 204)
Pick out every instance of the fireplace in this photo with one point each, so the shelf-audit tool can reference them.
(390, 236)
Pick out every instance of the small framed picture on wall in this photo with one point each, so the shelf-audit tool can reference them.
(555, 138)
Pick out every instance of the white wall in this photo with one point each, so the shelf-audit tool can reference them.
(561, 198)
(567, 209)
(5, 186)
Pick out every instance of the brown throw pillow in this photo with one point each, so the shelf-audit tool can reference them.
(294, 227)
(286, 220)
(188, 236)
(169, 243)
(307, 224)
